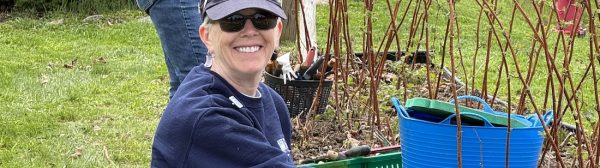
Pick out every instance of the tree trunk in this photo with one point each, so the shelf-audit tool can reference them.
(295, 19)
(289, 25)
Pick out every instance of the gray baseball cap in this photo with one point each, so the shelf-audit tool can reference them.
(218, 9)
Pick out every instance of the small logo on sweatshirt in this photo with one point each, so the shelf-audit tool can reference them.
(282, 145)
(236, 102)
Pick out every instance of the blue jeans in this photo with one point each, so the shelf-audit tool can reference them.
(177, 23)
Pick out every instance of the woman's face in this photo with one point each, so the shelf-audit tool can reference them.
(244, 52)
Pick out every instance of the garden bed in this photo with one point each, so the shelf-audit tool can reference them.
(327, 134)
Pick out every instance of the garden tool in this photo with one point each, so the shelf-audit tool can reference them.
(307, 61)
(312, 70)
(286, 68)
(363, 150)
(310, 56)
(385, 149)
(333, 156)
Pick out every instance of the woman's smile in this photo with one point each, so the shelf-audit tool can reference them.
(247, 49)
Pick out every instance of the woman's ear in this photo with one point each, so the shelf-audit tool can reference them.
(203, 32)
(279, 29)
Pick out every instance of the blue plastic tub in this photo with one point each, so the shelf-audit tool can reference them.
(437, 110)
(427, 143)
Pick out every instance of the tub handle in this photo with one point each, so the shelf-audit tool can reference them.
(548, 117)
(399, 109)
(486, 107)
(486, 122)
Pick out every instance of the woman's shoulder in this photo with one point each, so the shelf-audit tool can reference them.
(200, 90)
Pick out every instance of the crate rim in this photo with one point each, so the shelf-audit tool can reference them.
(280, 81)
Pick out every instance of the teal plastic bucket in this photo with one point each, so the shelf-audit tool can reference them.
(429, 142)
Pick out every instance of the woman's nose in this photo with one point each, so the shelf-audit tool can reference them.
(248, 26)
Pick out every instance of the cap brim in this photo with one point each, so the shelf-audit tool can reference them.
(226, 8)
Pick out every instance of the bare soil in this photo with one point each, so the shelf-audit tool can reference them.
(323, 135)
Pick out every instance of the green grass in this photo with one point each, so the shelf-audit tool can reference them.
(111, 99)
(465, 44)
(82, 7)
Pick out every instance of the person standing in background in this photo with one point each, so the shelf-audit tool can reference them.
(223, 115)
(176, 23)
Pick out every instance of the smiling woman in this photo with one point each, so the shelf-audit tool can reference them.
(222, 115)
(242, 45)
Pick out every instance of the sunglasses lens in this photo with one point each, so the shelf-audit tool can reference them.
(232, 23)
(264, 21)
(236, 22)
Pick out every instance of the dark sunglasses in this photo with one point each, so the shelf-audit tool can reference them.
(235, 22)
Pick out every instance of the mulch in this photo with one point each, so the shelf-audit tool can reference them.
(324, 134)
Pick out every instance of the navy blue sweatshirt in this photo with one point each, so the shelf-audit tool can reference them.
(203, 127)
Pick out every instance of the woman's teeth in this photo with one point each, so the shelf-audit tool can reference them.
(248, 49)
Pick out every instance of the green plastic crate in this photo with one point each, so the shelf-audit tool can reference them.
(388, 160)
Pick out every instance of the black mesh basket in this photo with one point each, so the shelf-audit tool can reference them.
(299, 94)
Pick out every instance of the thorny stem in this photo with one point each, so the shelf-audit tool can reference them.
(576, 113)
(594, 38)
(458, 117)
(308, 41)
(561, 79)
(439, 79)
(391, 35)
(550, 68)
(427, 56)
(474, 69)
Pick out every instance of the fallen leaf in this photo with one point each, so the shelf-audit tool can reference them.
(93, 18)
(101, 60)
(44, 80)
(57, 22)
(107, 155)
(97, 128)
(350, 142)
(72, 64)
(77, 153)
(148, 135)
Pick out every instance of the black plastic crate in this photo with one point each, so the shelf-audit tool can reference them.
(299, 94)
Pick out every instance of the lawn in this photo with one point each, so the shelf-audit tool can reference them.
(470, 43)
(90, 94)
(79, 94)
